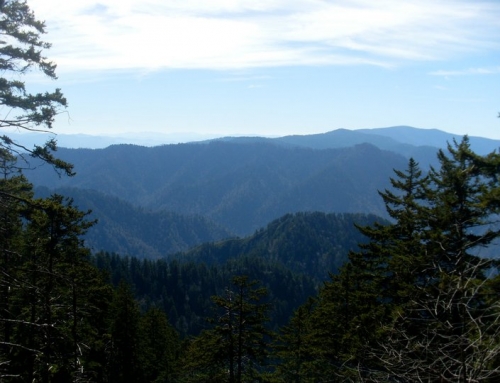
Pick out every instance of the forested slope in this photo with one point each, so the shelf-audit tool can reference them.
(184, 290)
(240, 186)
(137, 231)
(291, 257)
(314, 243)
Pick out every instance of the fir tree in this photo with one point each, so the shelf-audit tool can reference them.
(21, 50)
(293, 351)
(126, 337)
(235, 349)
(442, 329)
(160, 347)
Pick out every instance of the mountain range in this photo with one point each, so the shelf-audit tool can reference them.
(396, 138)
(153, 201)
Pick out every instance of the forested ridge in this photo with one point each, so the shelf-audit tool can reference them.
(291, 257)
(407, 299)
(240, 187)
(312, 243)
(131, 230)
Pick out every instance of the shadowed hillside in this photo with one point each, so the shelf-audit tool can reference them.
(137, 231)
(241, 187)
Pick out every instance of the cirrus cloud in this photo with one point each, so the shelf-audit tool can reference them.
(234, 34)
(467, 72)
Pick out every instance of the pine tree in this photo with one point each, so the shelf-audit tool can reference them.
(21, 50)
(443, 330)
(126, 338)
(161, 347)
(293, 349)
(415, 303)
(376, 281)
(48, 302)
(234, 350)
(14, 190)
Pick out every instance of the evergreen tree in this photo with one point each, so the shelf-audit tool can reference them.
(293, 351)
(346, 323)
(415, 303)
(92, 295)
(28, 316)
(48, 302)
(14, 189)
(21, 50)
(443, 328)
(235, 349)
(161, 347)
(126, 337)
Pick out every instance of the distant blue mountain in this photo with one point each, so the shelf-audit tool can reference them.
(431, 137)
(241, 187)
(405, 140)
(88, 141)
(420, 144)
(235, 185)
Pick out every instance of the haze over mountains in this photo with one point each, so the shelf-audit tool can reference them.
(153, 201)
(392, 138)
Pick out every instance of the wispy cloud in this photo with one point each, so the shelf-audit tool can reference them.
(236, 34)
(467, 72)
(236, 77)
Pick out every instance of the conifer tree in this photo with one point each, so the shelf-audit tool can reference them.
(14, 188)
(296, 361)
(48, 304)
(160, 347)
(346, 324)
(234, 350)
(21, 50)
(415, 303)
(126, 337)
(444, 330)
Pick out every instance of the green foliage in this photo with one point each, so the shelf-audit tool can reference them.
(443, 329)
(59, 320)
(21, 50)
(49, 316)
(161, 347)
(125, 330)
(295, 358)
(235, 348)
(313, 243)
(183, 289)
(415, 303)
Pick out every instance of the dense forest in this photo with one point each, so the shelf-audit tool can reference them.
(240, 187)
(312, 297)
(413, 301)
(130, 230)
(291, 257)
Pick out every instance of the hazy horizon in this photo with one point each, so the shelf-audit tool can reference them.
(96, 141)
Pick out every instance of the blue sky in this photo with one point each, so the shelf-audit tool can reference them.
(274, 67)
